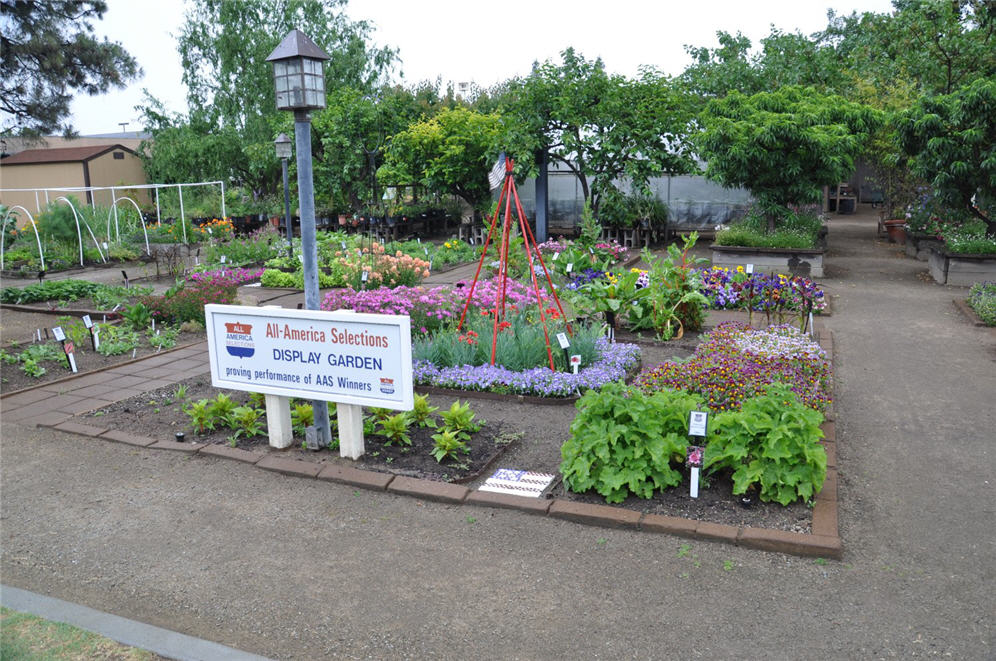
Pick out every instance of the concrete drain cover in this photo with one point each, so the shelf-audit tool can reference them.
(518, 483)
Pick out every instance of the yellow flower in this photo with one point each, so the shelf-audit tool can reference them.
(740, 269)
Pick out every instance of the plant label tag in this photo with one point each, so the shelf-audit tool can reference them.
(224, 259)
(95, 337)
(364, 276)
(697, 423)
(810, 324)
(105, 245)
(418, 240)
(693, 483)
(134, 351)
(300, 258)
(426, 251)
(87, 321)
(570, 267)
(197, 261)
(555, 256)
(562, 339)
(576, 362)
(58, 334)
(471, 240)
(695, 455)
(343, 244)
(154, 325)
(209, 231)
(72, 361)
(749, 269)
(39, 335)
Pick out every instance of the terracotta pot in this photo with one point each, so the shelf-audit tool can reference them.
(896, 229)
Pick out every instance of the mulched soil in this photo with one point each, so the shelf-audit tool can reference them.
(87, 360)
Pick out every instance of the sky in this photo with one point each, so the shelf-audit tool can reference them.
(469, 40)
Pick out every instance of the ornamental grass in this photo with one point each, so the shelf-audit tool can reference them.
(736, 362)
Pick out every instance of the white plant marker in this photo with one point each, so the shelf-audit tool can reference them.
(698, 422)
(749, 269)
(576, 362)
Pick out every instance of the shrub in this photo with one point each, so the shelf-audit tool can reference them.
(624, 441)
(794, 230)
(186, 302)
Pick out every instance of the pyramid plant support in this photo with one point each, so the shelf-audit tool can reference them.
(498, 312)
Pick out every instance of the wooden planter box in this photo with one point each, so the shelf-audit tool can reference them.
(961, 270)
(807, 263)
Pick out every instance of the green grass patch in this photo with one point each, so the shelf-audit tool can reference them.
(26, 637)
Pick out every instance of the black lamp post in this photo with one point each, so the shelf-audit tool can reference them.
(300, 86)
(283, 147)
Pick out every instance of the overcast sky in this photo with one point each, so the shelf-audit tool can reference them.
(472, 41)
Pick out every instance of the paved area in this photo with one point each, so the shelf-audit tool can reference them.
(290, 568)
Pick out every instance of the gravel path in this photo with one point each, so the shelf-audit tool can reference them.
(298, 569)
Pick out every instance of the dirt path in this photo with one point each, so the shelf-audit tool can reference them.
(297, 569)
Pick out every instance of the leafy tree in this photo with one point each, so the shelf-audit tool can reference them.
(783, 146)
(936, 45)
(352, 132)
(601, 127)
(223, 46)
(47, 54)
(952, 143)
(450, 153)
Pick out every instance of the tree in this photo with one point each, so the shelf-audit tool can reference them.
(48, 53)
(601, 127)
(937, 45)
(223, 46)
(785, 145)
(951, 140)
(450, 153)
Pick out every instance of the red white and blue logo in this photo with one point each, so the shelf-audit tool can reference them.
(238, 340)
(387, 386)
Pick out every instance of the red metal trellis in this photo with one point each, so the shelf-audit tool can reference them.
(508, 193)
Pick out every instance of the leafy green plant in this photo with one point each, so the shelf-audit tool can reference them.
(674, 295)
(138, 316)
(222, 406)
(181, 392)
(200, 415)
(460, 419)
(771, 443)
(395, 429)
(624, 442)
(448, 445)
(302, 416)
(163, 337)
(378, 413)
(421, 413)
(116, 340)
(245, 421)
(31, 367)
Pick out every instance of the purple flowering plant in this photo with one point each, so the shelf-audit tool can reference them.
(736, 362)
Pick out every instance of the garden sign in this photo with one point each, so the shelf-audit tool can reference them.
(352, 359)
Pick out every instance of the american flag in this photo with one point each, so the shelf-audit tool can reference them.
(497, 174)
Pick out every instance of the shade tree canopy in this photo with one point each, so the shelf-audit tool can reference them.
(783, 146)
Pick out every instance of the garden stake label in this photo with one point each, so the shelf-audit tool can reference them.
(698, 424)
(749, 269)
(695, 454)
(70, 356)
(575, 362)
(58, 334)
(570, 267)
(88, 323)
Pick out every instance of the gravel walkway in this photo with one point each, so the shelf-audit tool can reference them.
(289, 568)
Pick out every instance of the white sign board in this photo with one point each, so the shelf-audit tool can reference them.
(697, 422)
(346, 357)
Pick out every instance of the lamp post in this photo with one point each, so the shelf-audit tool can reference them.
(283, 147)
(300, 86)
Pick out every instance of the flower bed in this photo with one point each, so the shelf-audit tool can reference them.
(982, 299)
(615, 361)
(736, 362)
